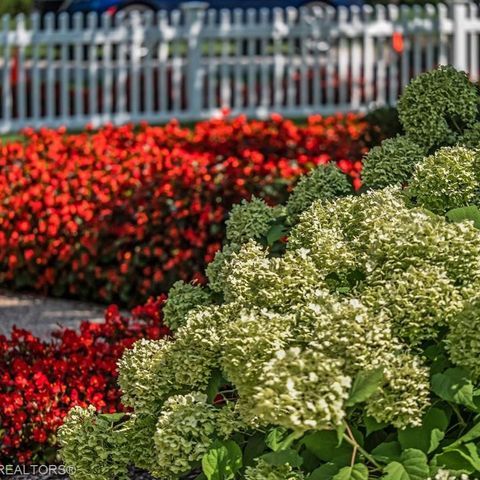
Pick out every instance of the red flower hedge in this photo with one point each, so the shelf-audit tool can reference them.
(40, 381)
(118, 215)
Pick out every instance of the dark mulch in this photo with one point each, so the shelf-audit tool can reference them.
(134, 475)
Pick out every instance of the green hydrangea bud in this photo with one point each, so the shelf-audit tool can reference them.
(463, 342)
(218, 270)
(419, 301)
(437, 106)
(325, 182)
(92, 446)
(445, 180)
(182, 298)
(265, 471)
(391, 163)
(249, 220)
(471, 137)
(256, 279)
(403, 399)
(145, 375)
(247, 345)
(448, 475)
(302, 390)
(186, 429)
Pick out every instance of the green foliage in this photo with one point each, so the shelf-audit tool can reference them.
(249, 220)
(186, 432)
(325, 182)
(462, 343)
(471, 137)
(392, 162)
(182, 298)
(438, 106)
(14, 7)
(348, 352)
(94, 445)
(446, 180)
(266, 471)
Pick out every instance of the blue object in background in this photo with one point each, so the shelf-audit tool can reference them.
(113, 6)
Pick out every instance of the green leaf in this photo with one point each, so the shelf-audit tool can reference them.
(216, 381)
(111, 417)
(372, 425)
(454, 386)
(275, 438)
(428, 436)
(387, 452)
(325, 472)
(472, 434)
(355, 472)
(413, 465)
(275, 233)
(283, 457)
(324, 445)
(254, 448)
(222, 461)
(465, 213)
(463, 458)
(365, 385)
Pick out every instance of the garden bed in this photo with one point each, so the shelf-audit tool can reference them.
(119, 214)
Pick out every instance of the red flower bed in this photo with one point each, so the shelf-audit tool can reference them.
(118, 215)
(40, 381)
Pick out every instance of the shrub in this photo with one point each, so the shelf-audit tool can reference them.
(437, 106)
(392, 162)
(343, 346)
(323, 183)
(446, 180)
(41, 381)
(438, 109)
(119, 215)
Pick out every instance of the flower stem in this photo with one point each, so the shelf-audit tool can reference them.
(351, 440)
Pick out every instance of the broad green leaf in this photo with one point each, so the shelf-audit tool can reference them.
(325, 472)
(356, 472)
(372, 425)
(275, 233)
(464, 458)
(454, 386)
(387, 452)
(275, 438)
(324, 445)
(472, 434)
(281, 457)
(465, 213)
(111, 417)
(413, 465)
(364, 386)
(254, 448)
(341, 429)
(428, 436)
(216, 381)
(222, 461)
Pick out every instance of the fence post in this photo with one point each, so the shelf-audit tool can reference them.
(194, 22)
(460, 53)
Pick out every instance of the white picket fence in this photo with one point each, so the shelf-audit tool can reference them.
(191, 63)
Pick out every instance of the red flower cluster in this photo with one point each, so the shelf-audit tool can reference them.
(40, 381)
(119, 214)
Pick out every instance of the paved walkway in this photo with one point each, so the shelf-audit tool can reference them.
(42, 315)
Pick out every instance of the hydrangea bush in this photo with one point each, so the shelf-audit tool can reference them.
(337, 338)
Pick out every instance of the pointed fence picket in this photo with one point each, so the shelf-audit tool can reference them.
(193, 62)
